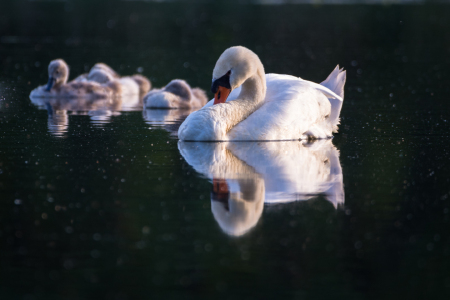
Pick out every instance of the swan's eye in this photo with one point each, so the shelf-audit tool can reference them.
(218, 95)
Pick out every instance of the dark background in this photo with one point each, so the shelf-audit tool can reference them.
(67, 232)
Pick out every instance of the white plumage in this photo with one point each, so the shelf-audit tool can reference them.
(266, 107)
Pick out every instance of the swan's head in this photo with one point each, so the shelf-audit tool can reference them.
(233, 68)
(100, 76)
(58, 73)
(237, 205)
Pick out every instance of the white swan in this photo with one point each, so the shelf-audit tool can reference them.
(247, 174)
(176, 94)
(264, 107)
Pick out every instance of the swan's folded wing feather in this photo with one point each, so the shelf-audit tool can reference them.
(290, 108)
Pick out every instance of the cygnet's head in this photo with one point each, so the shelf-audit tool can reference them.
(105, 68)
(176, 94)
(233, 68)
(58, 73)
(180, 88)
(237, 205)
(100, 76)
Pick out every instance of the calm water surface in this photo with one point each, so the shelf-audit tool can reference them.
(101, 201)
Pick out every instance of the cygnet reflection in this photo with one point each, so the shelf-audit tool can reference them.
(58, 122)
(247, 175)
(100, 111)
(169, 119)
(100, 117)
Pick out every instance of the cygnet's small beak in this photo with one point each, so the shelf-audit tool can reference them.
(51, 80)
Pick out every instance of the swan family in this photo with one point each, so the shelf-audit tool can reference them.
(248, 104)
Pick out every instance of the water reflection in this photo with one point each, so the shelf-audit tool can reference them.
(58, 122)
(100, 111)
(100, 117)
(169, 119)
(247, 175)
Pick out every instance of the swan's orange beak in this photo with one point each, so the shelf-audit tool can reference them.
(221, 95)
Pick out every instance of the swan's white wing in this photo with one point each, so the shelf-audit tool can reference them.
(291, 107)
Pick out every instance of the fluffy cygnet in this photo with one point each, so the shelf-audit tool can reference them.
(177, 94)
(100, 76)
(57, 86)
(101, 82)
(130, 85)
(104, 68)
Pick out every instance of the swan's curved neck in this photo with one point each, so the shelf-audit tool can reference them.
(254, 88)
(250, 99)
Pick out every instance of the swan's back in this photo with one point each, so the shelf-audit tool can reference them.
(293, 108)
(290, 108)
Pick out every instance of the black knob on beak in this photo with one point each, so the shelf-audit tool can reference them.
(222, 81)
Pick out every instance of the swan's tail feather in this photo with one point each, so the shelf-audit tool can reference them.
(335, 82)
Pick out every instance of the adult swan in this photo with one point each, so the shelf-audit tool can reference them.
(263, 106)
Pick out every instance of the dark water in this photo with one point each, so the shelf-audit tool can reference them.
(102, 203)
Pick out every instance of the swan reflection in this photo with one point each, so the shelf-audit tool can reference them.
(100, 111)
(247, 175)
